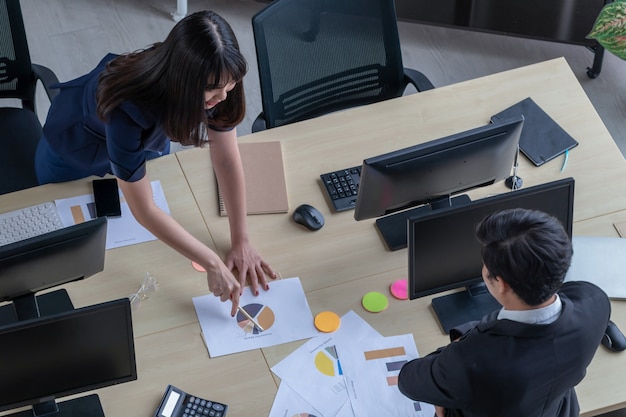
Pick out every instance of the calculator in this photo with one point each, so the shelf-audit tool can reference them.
(178, 403)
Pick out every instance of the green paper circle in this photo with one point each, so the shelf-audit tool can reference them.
(375, 302)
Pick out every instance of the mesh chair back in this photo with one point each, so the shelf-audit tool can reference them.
(319, 56)
(16, 74)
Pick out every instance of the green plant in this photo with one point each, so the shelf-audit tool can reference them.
(610, 28)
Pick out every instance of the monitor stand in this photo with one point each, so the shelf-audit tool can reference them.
(87, 406)
(393, 228)
(461, 307)
(31, 306)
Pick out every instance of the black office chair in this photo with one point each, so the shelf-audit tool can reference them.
(320, 56)
(20, 129)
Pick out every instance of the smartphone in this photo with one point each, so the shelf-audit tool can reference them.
(107, 198)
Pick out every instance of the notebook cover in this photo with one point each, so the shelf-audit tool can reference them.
(542, 138)
(266, 190)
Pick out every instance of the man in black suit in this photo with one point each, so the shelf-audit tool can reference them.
(525, 359)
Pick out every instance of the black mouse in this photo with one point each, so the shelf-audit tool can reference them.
(613, 338)
(308, 216)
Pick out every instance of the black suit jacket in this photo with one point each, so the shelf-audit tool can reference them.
(512, 369)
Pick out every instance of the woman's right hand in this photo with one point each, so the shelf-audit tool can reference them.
(223, 284)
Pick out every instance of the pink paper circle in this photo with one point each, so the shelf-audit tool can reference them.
(399, 289)
(197, 266)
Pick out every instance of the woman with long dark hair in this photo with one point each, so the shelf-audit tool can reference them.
(187, 89)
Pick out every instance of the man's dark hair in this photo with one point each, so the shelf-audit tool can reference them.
(528, 249)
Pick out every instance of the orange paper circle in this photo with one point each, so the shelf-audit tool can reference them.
(327, 322)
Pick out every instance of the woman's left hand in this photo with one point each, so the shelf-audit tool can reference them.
(247, 261)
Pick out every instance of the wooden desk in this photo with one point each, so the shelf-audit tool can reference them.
(168, 344)
(345, 259)
(335, 253)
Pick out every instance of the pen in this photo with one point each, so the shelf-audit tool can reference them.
(565, 160)
(249, 317)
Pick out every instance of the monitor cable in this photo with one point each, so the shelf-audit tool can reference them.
(514, 182)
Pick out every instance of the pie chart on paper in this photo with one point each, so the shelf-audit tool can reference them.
(261, 313)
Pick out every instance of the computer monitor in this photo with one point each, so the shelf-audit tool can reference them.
(64, 354)
(444, 253)
(429, 174)
(45, 261)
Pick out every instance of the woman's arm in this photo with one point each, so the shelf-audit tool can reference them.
(221, 281)
(230, 177)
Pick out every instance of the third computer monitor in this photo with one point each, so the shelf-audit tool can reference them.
(432, 172)
(444, 253)
(46, 261)
(76, 351)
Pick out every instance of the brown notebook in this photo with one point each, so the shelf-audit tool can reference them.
(266, 191)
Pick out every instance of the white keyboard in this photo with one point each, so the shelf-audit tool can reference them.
(29, 222)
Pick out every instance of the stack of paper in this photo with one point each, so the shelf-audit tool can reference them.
(351, 372)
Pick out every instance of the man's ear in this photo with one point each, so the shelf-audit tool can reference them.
(500, 285)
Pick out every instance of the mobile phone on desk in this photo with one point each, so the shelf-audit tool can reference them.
(177, 403)
(106, 197)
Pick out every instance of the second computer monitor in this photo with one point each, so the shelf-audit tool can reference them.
(432, 172)
(444, 253)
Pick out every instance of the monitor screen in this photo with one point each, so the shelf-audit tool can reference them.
(41, 262)
(68, 353)
(431, 172)
(444, 253)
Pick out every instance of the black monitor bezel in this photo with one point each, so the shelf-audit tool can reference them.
(87, 238)
(497, 200)
(102, 308)
(368, 203)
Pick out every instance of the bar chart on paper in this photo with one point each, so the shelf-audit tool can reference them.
(121, 231)
(393, 366)
(371, 370)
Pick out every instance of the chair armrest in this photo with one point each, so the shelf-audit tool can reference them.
(47, 78)
(418, 79)
(259, 123)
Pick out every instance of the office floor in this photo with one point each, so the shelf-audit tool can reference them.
(71, 36)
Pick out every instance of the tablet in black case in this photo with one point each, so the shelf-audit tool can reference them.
(542, 138)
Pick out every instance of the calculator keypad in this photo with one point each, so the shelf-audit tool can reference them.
(198, 407)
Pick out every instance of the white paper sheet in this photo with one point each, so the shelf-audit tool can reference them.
(121, 231)
(314, 370)
(602, 261)
(371, 368)
(288, 403)
(282, 311)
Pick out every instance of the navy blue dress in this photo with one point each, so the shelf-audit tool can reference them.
(76, 143)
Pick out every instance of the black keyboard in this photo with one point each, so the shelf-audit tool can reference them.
(342, 187)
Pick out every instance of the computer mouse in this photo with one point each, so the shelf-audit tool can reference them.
(613, 338)
(308, 216)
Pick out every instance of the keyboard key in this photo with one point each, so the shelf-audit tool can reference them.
(29, 222)
(342, 187)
